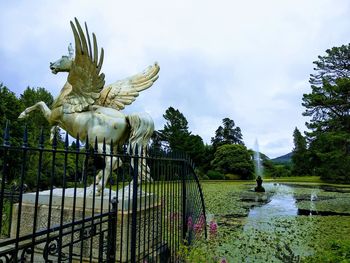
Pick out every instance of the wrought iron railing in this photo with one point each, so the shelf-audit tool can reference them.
(50, 213)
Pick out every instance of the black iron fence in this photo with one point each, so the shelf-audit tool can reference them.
(50, 210)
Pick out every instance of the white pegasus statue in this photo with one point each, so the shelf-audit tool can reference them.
(88, 108)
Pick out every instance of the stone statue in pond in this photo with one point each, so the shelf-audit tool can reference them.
(259, 187)
(89, 108)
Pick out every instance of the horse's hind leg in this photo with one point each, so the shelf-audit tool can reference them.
(143, 170)
(112, 163)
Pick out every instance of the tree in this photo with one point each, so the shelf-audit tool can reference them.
(36, 121)
(175, 130)
(334, 65)
(300, 156)
(330, 157)
(234, 159)
(227, 134)
(328, 105)
(10, 108)
(178, 138)
(156, 143)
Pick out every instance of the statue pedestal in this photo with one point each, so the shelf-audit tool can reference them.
(88, 236)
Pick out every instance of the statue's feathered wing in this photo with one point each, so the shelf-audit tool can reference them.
(88, 83)
(124, 92)
(84, 75)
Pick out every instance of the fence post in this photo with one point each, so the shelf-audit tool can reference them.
(134, 205)
(6, 145)
(184, 199)
(112, 232)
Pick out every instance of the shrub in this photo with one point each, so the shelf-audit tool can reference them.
(215, 175)
(234, 159)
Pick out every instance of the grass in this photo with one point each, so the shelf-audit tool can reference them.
(291, 179)
(6, 219)
(296, 179)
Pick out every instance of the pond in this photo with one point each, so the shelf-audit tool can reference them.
(281, 203)
(287, 223)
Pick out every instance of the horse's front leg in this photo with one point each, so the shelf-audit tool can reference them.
(41, 106)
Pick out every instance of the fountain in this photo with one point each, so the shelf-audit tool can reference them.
(258, 169)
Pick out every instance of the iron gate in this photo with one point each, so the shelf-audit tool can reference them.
(50, 213)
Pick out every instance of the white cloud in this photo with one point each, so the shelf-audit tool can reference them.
(246, 60)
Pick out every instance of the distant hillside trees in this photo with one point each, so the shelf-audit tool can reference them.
(328, 106)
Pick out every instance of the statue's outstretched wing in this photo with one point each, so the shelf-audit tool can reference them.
(84, 75)
(124, 92)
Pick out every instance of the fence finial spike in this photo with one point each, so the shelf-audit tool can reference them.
(54, 141)
(130, 149)
(142, 150)
(66, 141)
(136, 149)
(25, 136)
(104, 146)
(87, 145)
(7, 134)
(41, 138)
(111, 147)
(124, 148)
(77, 143)
(96, 145)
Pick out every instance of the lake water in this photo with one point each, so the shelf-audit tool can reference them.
(288, 223)
(282, 202)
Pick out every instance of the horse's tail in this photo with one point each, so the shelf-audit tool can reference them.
(141, 129)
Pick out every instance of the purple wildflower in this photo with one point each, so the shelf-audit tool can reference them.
(201, 220)
(213, 228)
(198, 228)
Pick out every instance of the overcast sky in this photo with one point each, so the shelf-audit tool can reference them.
(246, 60)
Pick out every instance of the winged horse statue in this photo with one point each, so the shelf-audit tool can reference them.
(88, 108)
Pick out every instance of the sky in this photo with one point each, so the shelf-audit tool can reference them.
(249, 60)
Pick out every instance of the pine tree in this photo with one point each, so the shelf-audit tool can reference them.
(328, 106)
(227, 134)
(300, 156)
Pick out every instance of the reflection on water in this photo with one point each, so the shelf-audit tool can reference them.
(281, 200)
(281, 203)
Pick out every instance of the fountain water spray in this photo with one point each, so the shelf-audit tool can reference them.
(257, 160)
(258, 169)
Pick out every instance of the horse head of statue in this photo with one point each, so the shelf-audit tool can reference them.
(63, 64)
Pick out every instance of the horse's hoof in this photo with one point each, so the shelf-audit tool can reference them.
(98, 190)
(22, 115)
